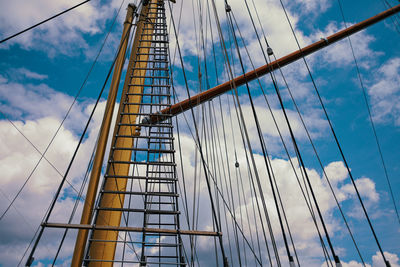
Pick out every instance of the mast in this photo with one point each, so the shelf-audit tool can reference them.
(102, 142)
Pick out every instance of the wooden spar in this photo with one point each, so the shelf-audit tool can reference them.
(86, 218)
(131, 229)
(252, 75)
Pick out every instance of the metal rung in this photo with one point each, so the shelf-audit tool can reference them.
(152, 85)
(160, 203)
(147, 137)
(158, 235)
(154, 34)
(146, 125)
(158, 194)
(155, 47)
(146, 114)
(150, 181)
(147, 211)
(142, 177)
(158, 163)
(153, 54)
(162, 143)
(157, 28)
(162, 256)
(155, 41)
(162, 172)
(158, 132)
(151, 77)
(159, 69)
(127, 261)
(148, 94)
(158, 23)
(159, 244)
(153, 61)
(148, 150)
(147, 104)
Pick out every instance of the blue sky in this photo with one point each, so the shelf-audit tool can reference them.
(42, 70)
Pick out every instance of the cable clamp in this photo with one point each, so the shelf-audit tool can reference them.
(325, 40)
(270, 52)
(228, 8)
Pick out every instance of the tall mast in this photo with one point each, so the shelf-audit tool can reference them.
(102, 142)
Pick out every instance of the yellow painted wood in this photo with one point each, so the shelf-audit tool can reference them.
(80, 242)
(106, 250)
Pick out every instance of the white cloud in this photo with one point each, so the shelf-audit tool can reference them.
(384, 91)
(377, 260)
(38, 122)
(25, 73)
(32, 101)
(63, 35)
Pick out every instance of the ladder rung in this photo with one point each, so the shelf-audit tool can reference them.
(153, 85)
(158, 194)
(162, 256)
(155, 41)
(147, 104)
(146, 114)
(151, 77)
(142, 177)
(145, 125)
(147, 211)
(159, 69)
(161, 172)
(149, 150)
(153, 61)
(147, 137)
(158, 163)
(160, 203)
(159, 244)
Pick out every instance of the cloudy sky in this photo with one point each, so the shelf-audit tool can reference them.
(42, 70)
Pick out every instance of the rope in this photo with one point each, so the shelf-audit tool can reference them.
(44, 21)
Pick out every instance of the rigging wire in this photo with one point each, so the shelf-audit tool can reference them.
(304, 128)
(44, 21)
(337, 141)
(200, 148)
(395, 18)
(245, 138)
(261, 138)
(219, 191)
(370, 113)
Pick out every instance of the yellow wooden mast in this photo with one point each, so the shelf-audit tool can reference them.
(105, 250)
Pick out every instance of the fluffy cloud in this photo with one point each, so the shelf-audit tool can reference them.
(18, 158)
(64, 34)
(32, 100)
(384, 91)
